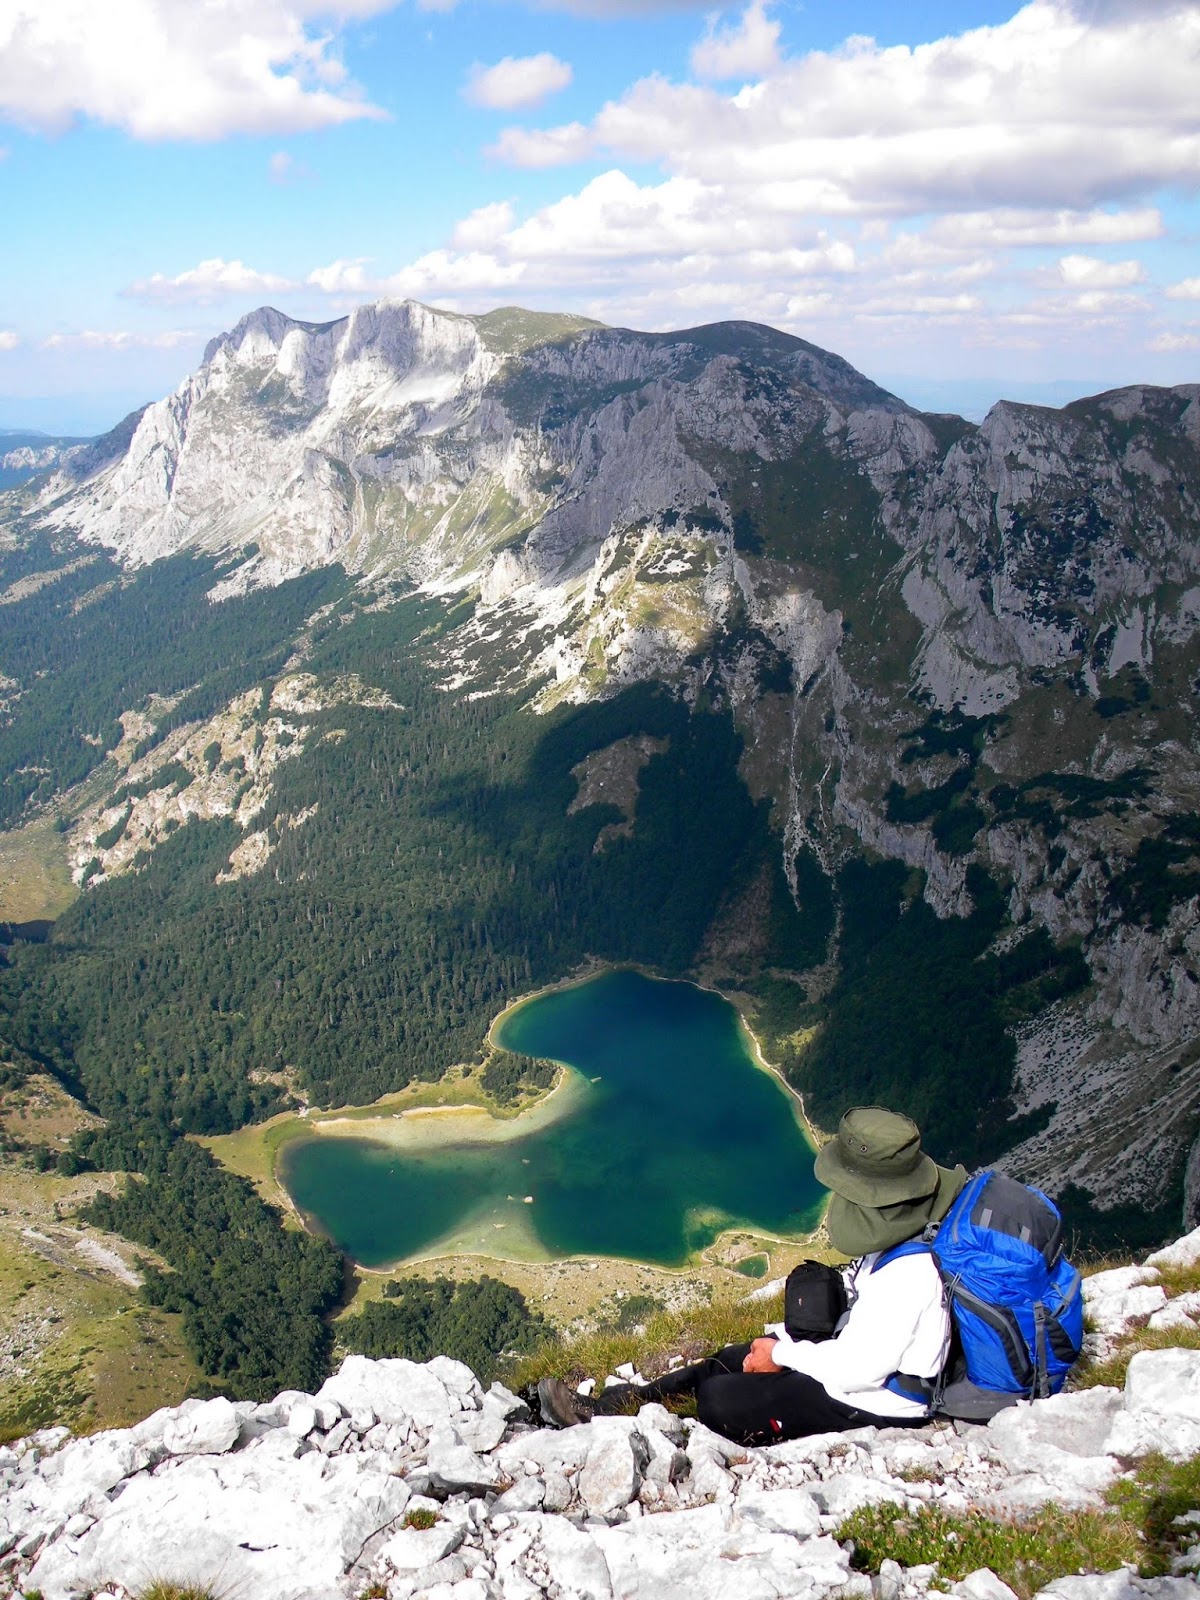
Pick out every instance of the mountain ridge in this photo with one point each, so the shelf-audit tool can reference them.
(955, 648)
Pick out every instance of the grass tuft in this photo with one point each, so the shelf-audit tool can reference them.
(690, 1334)
(1027, 1554)
(422, 1518)
(161, 1589)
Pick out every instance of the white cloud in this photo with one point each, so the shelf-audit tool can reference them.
(8, 339)
(209, 281)
(1089, 272)
(543, 147)
(1014, 228)
(96, 339)
(1189, 289)
(484, 227)
(745, 51)
(176, 69)
(1041, 113)
(1170, 343)
(622, 8)
(517, 81)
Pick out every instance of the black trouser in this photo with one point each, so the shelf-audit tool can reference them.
(748, 1407)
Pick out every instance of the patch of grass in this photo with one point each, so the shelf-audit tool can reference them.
(56, 1395)
(1159, 1493)
(1027, 1554)
(160, 1589)
(690, 1334)
(1111, 1372)
(422, 1518)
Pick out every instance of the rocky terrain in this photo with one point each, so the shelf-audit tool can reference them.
(410, 1481)
(944, 644)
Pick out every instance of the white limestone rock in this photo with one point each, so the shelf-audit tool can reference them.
(611, 1475)
(453, 1468)
(1183, 1252)
(397, 1391)
(983, 1584)
(1121, 1585)
(1161, 1409)
(232, 1523)
(1056, 1448)
(1116, 1300)
(414, 1549)
(850, 1491)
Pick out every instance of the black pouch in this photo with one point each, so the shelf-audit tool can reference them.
(814, 1298)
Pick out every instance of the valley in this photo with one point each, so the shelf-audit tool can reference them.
(401, 666)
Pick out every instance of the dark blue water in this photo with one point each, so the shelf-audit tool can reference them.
(675, 1135)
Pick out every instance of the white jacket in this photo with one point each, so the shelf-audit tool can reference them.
(897, 1322)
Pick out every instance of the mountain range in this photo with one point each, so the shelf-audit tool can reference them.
(958, 665)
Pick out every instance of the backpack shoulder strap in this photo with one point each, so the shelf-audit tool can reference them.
(920, 1246)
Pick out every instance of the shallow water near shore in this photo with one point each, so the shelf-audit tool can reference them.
(666, 1133)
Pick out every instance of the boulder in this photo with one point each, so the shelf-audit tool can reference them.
(397, 1391)
(1062, 1441)
(413, 1549)
(527, 1494)
(1121, 1585)
(791, 1511)
(481, 1430)
(455, 1469)
(1184, 1252)
(1181, 1312)
(510, 1406)
(1161, 1409)
(236, 1523)
(458, 1380)
(849, 1491)
(201, 1427)
(1115, 1312)
(611, 1475)
(574, 1560)
(983, 1584)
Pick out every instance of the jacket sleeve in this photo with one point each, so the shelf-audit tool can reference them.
(877, 1332)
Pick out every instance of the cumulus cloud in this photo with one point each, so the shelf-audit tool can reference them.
(210, 280)
(1189, 289)
(173, 69)
(517, 81)
(1089, 272)
(8, 339)
(543, 147)
(1042, 112)
(746, 50)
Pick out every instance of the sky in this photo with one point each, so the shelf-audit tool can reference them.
(963, 200)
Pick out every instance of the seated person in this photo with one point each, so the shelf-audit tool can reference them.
(890, 1344)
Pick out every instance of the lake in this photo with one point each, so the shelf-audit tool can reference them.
(665, 1133)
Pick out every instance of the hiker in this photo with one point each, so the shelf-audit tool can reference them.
(888, 1347)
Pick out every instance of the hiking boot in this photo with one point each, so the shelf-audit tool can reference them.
(561, 1407)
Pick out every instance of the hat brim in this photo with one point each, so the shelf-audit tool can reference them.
(832, 1171)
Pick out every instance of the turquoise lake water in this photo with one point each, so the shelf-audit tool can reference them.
(670, 1134)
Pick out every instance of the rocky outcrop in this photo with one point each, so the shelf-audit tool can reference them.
(414, 1479)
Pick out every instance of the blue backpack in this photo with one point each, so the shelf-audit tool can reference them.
(1016, 1302)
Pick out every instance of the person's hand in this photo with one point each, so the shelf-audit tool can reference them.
(761, 1357)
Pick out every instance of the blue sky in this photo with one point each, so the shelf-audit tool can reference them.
(963, 200)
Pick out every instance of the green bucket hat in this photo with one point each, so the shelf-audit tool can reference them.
(876, 1159)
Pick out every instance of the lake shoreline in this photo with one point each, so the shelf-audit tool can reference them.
(389, 1122)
